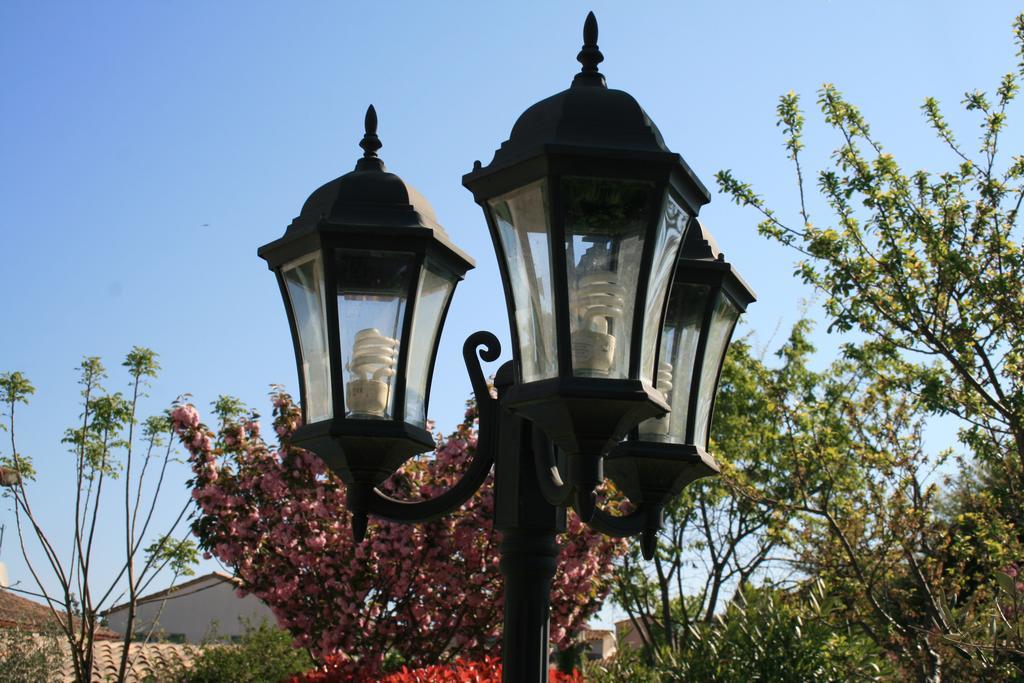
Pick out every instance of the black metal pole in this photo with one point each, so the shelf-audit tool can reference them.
(529, 554)
(528, 561)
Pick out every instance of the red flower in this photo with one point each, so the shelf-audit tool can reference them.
(487, 670)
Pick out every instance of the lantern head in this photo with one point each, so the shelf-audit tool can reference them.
(366, 273)
(665, 454)
(587, 208)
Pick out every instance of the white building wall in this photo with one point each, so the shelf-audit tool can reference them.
(600, 645)
(197, 611)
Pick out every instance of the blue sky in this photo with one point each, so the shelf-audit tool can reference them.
(148, 148)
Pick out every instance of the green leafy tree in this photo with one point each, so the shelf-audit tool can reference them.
(715, 542)
(869, 522)
(826, 478)
(926, 267)
(928, 264)
(112, 455)
(782, 434)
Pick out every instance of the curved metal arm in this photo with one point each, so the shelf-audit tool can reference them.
(620, 527)
(579, 493)
(383, 505)
(548, 476)
(645, 520)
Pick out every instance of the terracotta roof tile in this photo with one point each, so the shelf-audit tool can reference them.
(28, 615)
(589, 633)
(146, 661)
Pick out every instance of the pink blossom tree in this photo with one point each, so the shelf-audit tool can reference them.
(421, 594)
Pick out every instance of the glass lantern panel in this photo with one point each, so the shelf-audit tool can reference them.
(521, 218)
(666, 249)
(372, 290)
(605, 225)
(723, 320)
(304, 282)
(435, 288)
(684, 318)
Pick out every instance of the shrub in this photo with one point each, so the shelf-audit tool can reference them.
(763, 635)
(29, 658)
(264, 655)
(487, 670)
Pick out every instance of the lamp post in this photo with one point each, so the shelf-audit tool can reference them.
(594, 223)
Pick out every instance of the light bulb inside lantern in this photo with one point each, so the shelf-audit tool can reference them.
(658, 426)
(374, 357)
(599, 302)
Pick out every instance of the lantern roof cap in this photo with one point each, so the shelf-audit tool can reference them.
(369, 194)
(588, 116)
(699, 243)
(366, 201)
(700, 252)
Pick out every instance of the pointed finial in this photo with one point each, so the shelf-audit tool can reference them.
(356, 500)
(590, 31)
(590, 55)
(370, 143)
(649, 543)
(655, 514)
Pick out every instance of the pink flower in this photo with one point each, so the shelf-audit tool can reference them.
(277, 518)
(201, 441)
(185, 417)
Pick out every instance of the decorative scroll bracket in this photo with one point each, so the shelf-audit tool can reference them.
(386, 507)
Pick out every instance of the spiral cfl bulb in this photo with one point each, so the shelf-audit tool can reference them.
(373, 361)
(658, 426)
(664, 381)
(600, 299)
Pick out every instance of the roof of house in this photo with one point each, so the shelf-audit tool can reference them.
(179, 590)
(146, 661)
(28, 615)
(627, 624)
(589, 633)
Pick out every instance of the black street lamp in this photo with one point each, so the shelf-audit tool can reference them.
(367, 274)
(594, 221)
(664, 454)
(587, 208)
